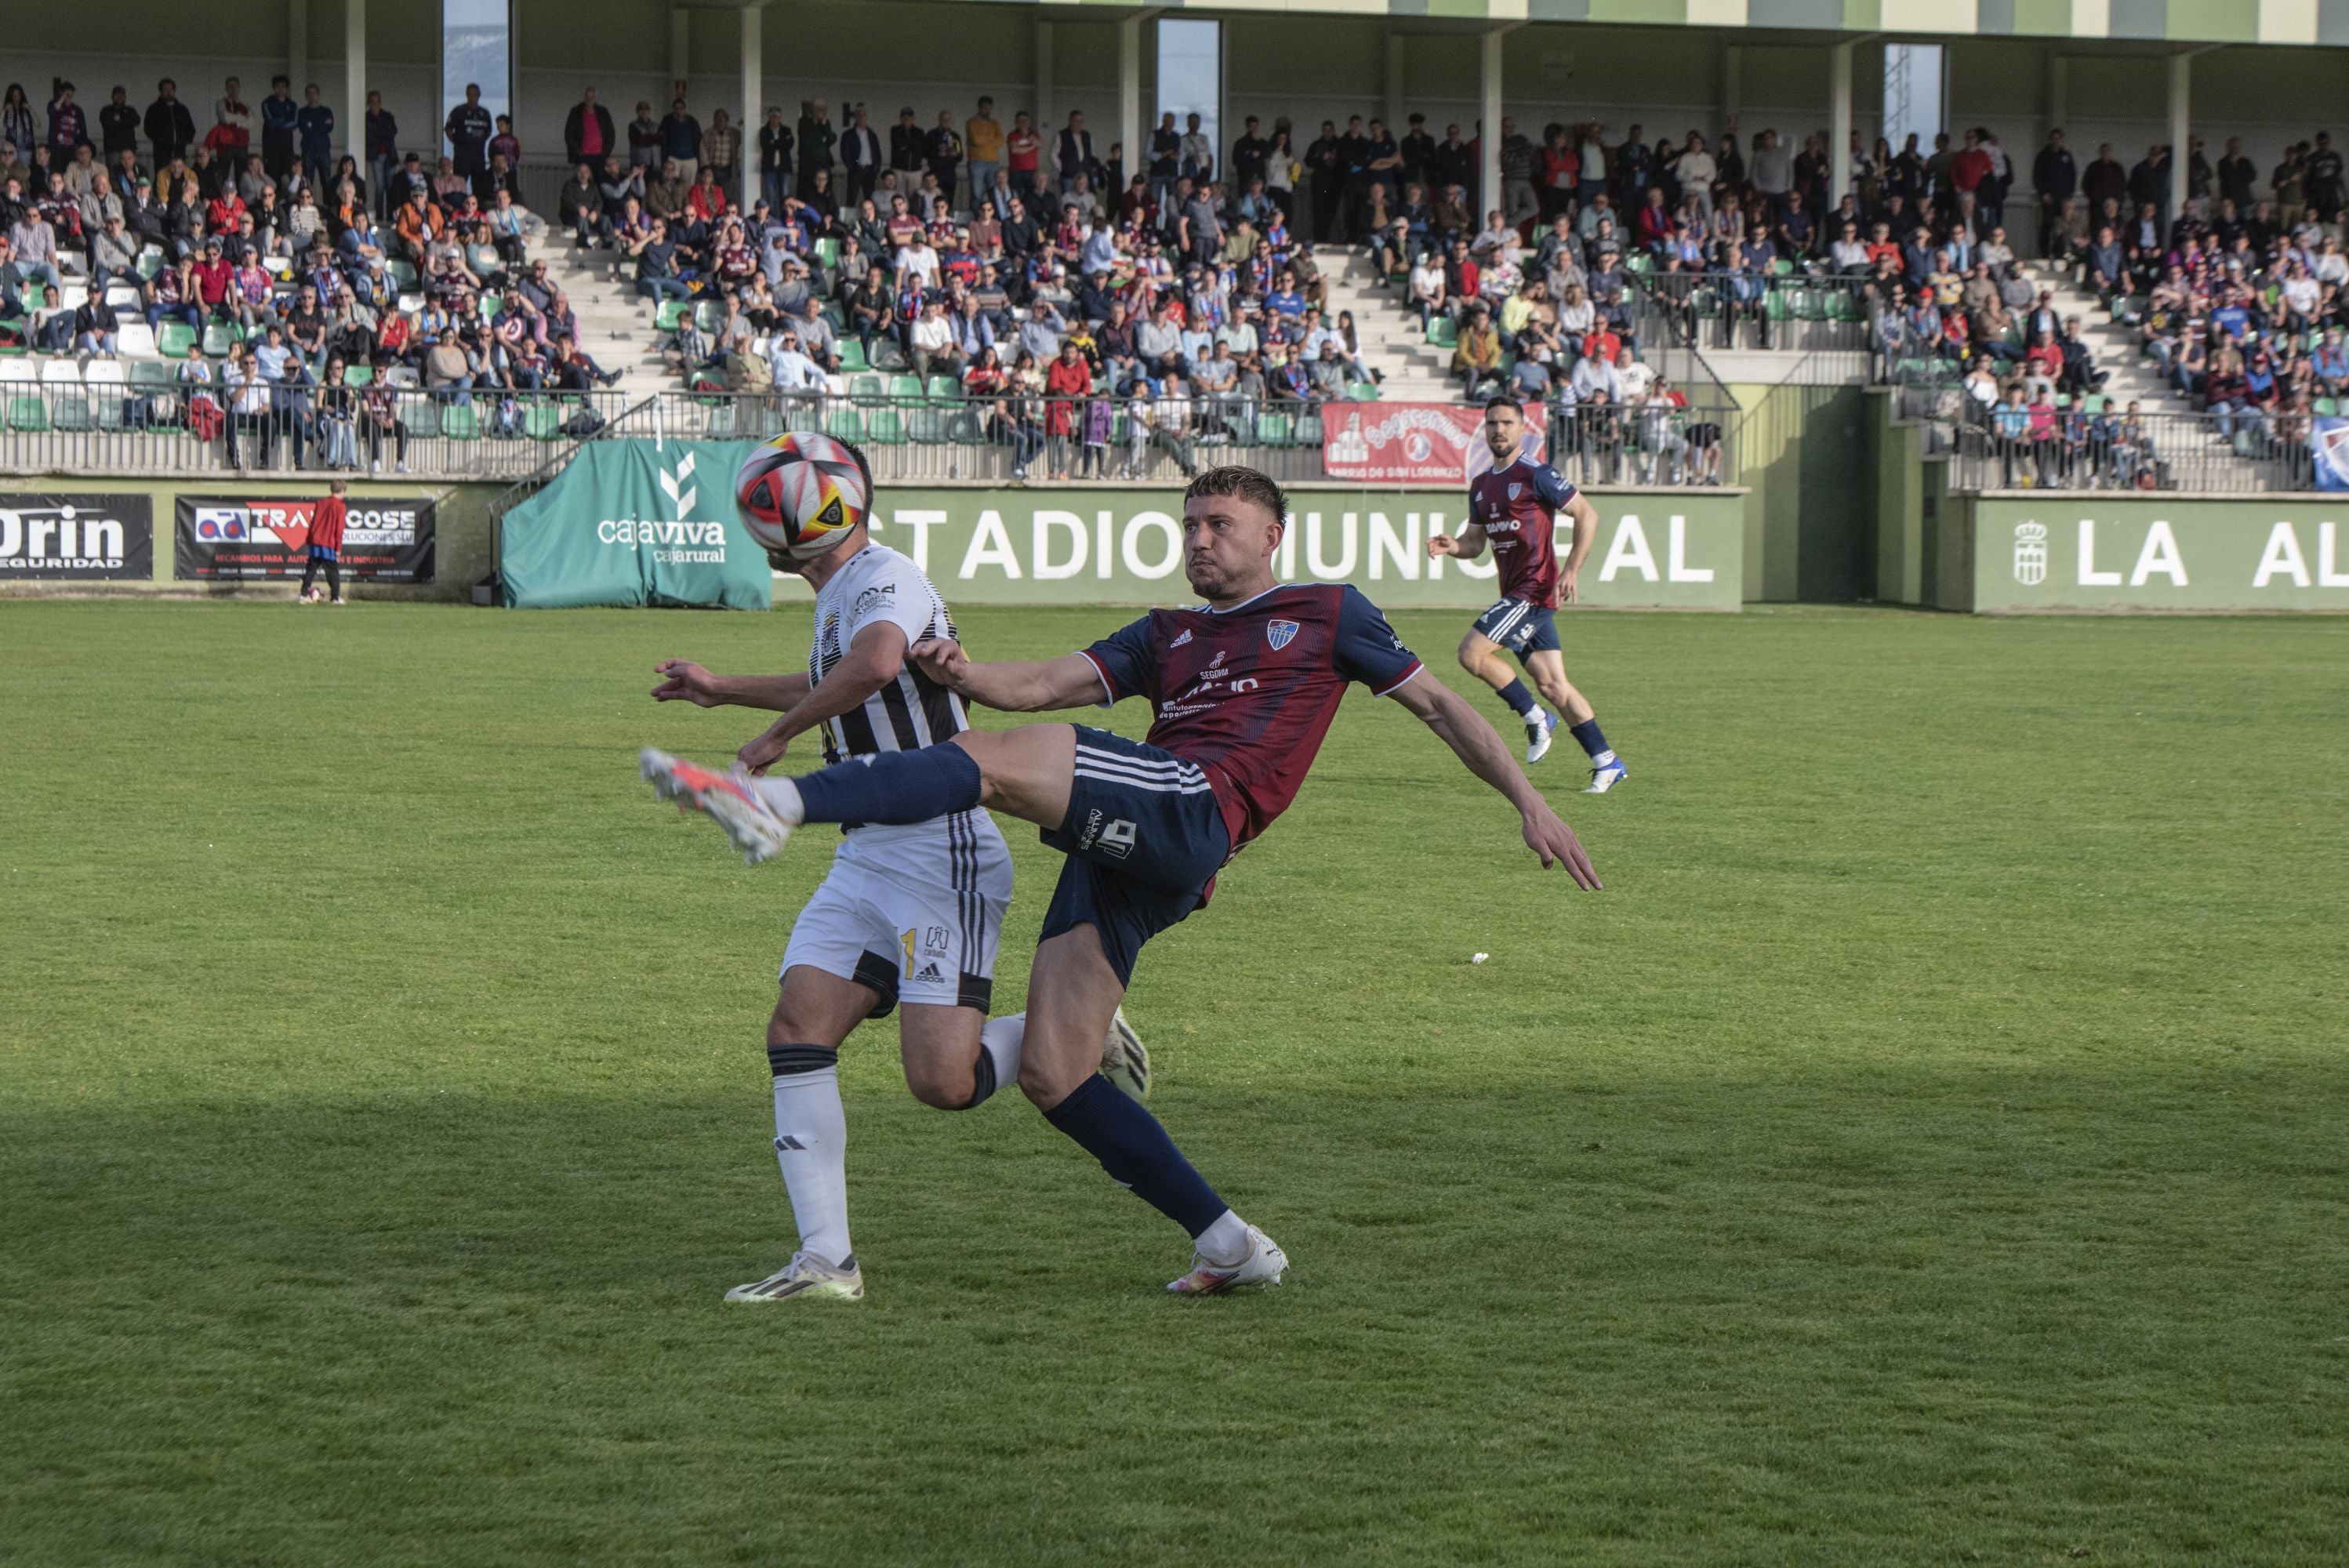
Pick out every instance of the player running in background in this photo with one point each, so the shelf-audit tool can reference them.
(910, 916)
(1242, 691)
(325, 546)
(1514, 506)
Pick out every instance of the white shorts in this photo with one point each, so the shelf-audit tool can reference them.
(915, 913)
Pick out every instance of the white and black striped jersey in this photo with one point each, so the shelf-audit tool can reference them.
(876, 586)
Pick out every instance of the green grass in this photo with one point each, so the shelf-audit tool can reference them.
(1928, 1149)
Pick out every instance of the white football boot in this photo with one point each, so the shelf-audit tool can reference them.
(1539, 726)
(1264, 1265)
(806, 1277)
(752, 824)
(1125, 1060)
(1606, 776)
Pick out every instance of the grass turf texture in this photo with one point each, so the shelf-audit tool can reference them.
(1927, 1149)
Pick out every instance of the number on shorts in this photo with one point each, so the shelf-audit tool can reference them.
(1118, 839)
(906, 941)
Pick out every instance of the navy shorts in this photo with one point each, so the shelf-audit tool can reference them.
(1144, 838)
(1521, 627)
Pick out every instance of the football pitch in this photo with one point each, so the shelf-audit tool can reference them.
(1930, 1148)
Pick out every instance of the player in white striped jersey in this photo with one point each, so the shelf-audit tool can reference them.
(909, 917)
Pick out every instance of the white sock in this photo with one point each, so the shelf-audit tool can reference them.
(812, 1146)
(999, 1042)
(1603, 760)
(783, 797)
(1225, 1242)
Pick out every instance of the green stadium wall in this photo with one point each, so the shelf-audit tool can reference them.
(1656, 549)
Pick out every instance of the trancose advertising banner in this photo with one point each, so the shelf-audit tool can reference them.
(232, 538)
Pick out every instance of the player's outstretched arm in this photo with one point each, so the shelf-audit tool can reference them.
(683, 681)
(1011, 686)
(1478, 745)
(1467, 546)
(874, 658)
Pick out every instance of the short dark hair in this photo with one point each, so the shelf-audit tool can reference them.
(1503, 400)
(1241, 483)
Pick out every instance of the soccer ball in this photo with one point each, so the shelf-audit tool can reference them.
(801, 492)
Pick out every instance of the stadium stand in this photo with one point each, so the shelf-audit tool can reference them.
(1211, 295)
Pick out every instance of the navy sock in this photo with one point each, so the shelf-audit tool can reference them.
(896, 786)
(1515, 695)
(1137, 1153)
(1592, 741)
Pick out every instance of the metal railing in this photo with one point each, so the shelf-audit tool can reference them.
(111, 426)
(2076, 449)
(492, 434)
(1809, 312)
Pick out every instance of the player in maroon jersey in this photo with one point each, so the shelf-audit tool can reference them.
(1242, 691)
(1514, 506)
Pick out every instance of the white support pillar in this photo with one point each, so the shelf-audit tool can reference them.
(1488, 132)
(351, 115)
(1839, 125)
(2182, 82)
(1398, 58)
(754, 92)
(1130, 132)
(680, 52)
(297, 46)
(1044, 127)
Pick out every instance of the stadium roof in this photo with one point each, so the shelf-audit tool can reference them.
(2172, 21)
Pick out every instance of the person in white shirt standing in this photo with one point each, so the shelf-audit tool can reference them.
(908, 918)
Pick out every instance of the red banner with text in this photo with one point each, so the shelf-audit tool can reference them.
(1413, 443)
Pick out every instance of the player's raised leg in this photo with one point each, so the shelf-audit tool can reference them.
(1547, 666)
(1481, 656)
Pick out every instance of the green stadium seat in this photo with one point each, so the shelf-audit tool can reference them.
(827, 250)
(671, 312)
(1640, 264)
(1309, 430)
(867, 388)
(905, 388)
(149, 263)
(844, 424)
(804, 418)
(358, 375)
(28, 414)
(72, 412)
(150, 375)
(929, 427)
(1843, 304)
(1775, 306)
(175, 338)
(1276, 431)
(884, 427)
(462, 422)
(2328, 407)
(402, 275)
(707, 313)
(423, 416)
(542, 421)
(1363, 391)
(851, 356)
(1443, 332)
(945, 389)
(220, 336)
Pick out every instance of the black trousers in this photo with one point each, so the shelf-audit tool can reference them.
(333, 576)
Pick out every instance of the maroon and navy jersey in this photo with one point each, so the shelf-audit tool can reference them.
(1246, 694)
(1518, 508)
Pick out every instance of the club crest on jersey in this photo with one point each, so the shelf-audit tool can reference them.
(1279, 634)
(1515, 490)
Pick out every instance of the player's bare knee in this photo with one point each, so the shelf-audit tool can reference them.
(939, 1086)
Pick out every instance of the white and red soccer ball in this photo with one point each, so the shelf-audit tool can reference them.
(801, 493)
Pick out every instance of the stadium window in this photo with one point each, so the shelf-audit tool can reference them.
(477, 46)
(1191, 74)
(1913, 93)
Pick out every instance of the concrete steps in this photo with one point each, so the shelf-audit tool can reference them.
(1391, 338)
